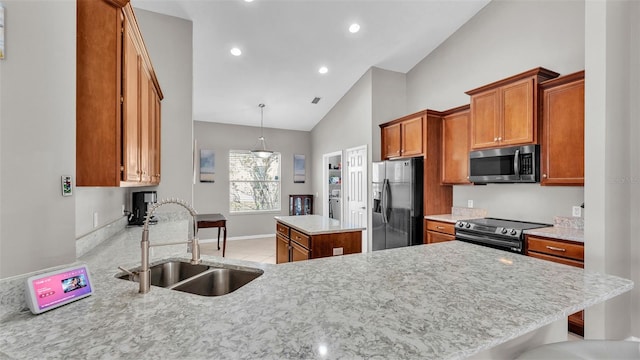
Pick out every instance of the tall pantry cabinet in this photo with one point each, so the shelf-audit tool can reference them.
(117, 99)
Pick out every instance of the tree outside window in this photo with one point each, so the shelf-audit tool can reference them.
(254, 183)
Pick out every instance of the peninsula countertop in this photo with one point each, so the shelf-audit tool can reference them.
(317, 224)
(413, 302)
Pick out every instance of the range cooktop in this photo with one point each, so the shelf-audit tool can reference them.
(507, 224)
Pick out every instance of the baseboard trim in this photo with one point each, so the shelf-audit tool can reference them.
(248, 237)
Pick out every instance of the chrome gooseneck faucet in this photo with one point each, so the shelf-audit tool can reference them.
(145, 273)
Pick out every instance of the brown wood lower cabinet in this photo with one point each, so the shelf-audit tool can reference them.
(298, 252)
(438, 231)
(295, 245)
(563, 252)
(282, 249)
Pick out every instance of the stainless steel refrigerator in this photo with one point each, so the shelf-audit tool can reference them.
(397, 203)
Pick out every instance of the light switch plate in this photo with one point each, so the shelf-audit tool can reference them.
(469, 203)
(67, 185)
(576, 211)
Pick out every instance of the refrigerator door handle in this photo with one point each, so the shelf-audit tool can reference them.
(386, 194)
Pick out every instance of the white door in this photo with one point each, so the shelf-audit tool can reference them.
(356, 189)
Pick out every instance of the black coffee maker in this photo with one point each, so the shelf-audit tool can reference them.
(141, 201)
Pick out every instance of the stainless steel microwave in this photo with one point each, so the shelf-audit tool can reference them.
(505, 165)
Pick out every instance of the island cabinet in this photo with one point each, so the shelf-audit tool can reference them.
(438, 231)
(564, 252)
(562, 135)
(296, 245)
(403, 137)
(455, 146)
(117, 101)
(504, 113)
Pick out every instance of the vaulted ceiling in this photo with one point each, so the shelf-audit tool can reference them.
(285, 42)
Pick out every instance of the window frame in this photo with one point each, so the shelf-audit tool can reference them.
(233, 153)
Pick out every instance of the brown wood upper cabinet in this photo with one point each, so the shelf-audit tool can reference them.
(117, 101)
(504, 113)
(403, 137)
(455, 146)
(562, 135)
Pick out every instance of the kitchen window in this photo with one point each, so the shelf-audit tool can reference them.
(254, 183)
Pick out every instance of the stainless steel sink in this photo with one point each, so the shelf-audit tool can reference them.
(218, 281)
(199, 279)
(171, 272)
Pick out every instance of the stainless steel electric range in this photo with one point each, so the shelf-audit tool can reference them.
(496, 233)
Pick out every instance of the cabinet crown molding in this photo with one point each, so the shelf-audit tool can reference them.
(539, 71)
(565, 79)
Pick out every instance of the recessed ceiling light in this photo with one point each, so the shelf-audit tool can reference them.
(354, 28)
(323, 70)
(236, 52)
(248, 0)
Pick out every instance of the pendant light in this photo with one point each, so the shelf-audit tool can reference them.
(260, 150)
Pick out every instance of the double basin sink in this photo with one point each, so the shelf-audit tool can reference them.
(200, 279)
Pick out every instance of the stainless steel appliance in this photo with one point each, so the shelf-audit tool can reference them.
(496, 233)
(397, 203)
(505, 165)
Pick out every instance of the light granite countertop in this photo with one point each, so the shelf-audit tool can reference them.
(441, 301)
(459, 213)
(317, 224)
(557, 232)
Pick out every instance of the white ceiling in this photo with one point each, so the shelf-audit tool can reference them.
(284, 43)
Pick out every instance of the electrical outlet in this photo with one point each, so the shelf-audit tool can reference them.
(123, 213)
(470, 203)
(576, 211)
(95, 219)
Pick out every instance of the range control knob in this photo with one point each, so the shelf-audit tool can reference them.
(468, 225)
(460, 224)
(504, 230)
(514, 232)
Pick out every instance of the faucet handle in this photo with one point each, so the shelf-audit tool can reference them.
(133, 276)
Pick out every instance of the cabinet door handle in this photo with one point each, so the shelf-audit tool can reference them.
(495, 139)
(544, 175)
(499, 138)
(555, 248)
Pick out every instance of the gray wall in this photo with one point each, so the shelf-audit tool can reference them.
(377, 97)
(634, 133)
(107, 202)
(493, 45)
(346, 125)
(389, 101)
(37, 136)
(214, 197)
(609, 133)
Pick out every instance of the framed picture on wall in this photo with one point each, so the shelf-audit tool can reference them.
(299, 173)
(207, 165)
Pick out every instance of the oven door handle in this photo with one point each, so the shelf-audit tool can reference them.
(516, 163)
(488, 240)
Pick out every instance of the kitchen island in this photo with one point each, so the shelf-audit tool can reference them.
(313, 236)
(443, 301)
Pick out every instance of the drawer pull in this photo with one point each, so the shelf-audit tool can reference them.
(555, 248)
(440, 227)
